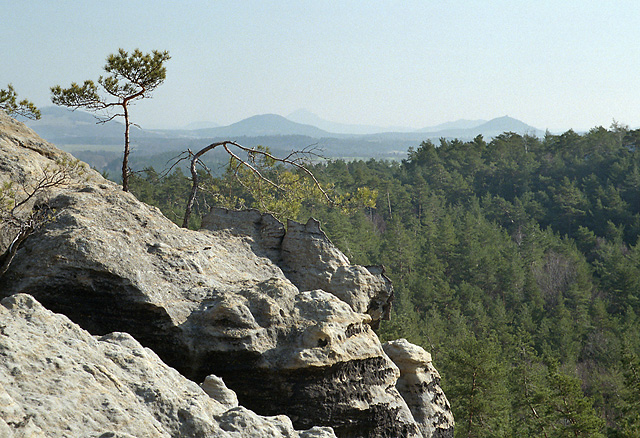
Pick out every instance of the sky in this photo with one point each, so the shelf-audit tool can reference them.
(555, 65)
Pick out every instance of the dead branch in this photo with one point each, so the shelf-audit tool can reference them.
(26, 227)
(49, 179)
(294, 159)
(41, 214)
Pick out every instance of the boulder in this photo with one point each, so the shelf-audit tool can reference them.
(309, 259)
(56, 379)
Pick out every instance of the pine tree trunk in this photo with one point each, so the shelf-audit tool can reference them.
(125, 159)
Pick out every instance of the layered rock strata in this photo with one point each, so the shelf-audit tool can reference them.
(419, 384)
(56, 380)
(309, 259)
(231, 300)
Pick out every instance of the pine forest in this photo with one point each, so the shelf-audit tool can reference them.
(515, 263)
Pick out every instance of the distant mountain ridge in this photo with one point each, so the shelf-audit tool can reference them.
(307, 117)
(60, 123)
(261, 125)
(101, 144)
(488, 129)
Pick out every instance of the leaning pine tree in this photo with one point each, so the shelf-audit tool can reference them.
(131, 77)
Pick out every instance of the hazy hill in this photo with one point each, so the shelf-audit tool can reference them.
(487, 129)
(458, 124)
(505, 124)
(309, 118)
(264, 124)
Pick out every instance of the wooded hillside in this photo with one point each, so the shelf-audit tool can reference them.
(515, 262)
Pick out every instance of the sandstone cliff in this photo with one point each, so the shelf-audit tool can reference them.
(282, 317)
(58, 380)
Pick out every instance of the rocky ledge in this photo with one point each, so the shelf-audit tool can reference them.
(419, 385)
(281, 317)
(56, 379)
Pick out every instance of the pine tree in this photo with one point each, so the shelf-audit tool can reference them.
(531, 391)
(571, 412)
(630, 410)
(476, 385)
(131, 77)
(10, 104)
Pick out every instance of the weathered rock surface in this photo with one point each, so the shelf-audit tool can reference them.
(56, 380)
(309, 259)
(419, 384)
(231, 300)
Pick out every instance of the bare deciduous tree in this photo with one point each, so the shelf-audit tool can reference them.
(16, 213)
(296, 159)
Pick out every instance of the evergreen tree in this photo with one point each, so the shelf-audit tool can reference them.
(131, 77)
(9, 103)
(476, 385)
(531, 391)
(572, 413)
(630, 410)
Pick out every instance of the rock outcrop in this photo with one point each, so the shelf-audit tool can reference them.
(58, 380)
(309, 259)
(419, 384)
(281, 317)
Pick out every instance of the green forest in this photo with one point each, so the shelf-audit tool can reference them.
(515, 262)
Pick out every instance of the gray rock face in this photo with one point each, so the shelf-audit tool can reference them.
(309, 259)
(56, 380)
(231, 300)
(419, 384)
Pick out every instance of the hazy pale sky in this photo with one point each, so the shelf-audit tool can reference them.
(552, 64)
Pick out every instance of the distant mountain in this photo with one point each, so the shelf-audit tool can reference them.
(488, 129)
(261, 125)
(505, 124)
(458, 124)
(63, 126)
(200, 125)
(309, 118)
